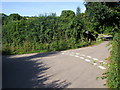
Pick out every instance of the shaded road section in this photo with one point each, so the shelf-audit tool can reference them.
(75, 68)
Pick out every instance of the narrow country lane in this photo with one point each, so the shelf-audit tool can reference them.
(75, 68)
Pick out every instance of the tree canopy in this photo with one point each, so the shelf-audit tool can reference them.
(51, 32)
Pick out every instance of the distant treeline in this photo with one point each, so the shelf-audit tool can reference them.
(50, 32)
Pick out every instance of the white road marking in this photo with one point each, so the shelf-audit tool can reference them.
(101, 67)
(87, 60)
(76, 56)
(95, 59)
(81, 57)
(89, 56)
(94, 63)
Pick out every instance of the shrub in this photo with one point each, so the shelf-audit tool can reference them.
(113, 74)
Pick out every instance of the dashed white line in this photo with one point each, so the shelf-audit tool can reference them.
(76, 56)
(101, 67)
(89, 56)
(95, 59)
(94, 63)
(87, 60)
(81, 57)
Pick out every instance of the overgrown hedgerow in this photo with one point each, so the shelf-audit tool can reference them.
(113, 75)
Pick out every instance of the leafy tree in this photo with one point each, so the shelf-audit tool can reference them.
(78, 11)
(51, 32)
(67, 15)
(14, 17)
(103, 15)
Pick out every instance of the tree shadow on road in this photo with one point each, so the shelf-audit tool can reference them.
(26, 72)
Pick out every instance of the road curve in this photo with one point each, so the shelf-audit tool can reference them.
(75, 68)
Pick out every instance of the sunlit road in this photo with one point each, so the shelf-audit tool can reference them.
(75, 68)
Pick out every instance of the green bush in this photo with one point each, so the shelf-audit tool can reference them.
(113, 74)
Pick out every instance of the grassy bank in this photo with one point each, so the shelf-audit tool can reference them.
(48, 48)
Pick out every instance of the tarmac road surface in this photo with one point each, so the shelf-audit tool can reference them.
(75, 68)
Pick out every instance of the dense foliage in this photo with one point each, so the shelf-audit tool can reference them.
(44, 33)
(113, 74)
(105, 17)
(69, 30)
